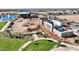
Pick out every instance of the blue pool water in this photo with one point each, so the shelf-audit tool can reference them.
(7, 18)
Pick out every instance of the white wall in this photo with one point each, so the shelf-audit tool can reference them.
(67, 33)
(63, 34)
(48, 25)
(57, 32)
(57, 23)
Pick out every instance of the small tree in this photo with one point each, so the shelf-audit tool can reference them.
(45, 35)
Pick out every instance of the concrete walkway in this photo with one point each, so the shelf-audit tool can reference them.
(68, 48)
(27, 43)
(5, 27)
(23, 46)
(73, 46)
(35, 37)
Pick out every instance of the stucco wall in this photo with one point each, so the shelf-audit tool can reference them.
(57, 32)
(63, 34)
(48, 25)
(67, 33)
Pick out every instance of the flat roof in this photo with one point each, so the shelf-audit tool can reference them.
(23, 13)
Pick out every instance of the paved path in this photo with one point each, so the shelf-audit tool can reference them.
(73, 46)
(76, 48)
(23, 46)
(3, 29)
(68, 48)
(27, 43)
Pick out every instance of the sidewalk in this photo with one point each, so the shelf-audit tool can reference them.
(23, 46)
(5, 27)
(27, 43)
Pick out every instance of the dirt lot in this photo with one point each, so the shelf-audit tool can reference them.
(70, 17)
(19, 26)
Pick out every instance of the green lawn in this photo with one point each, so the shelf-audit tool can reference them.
(2, 24)
(40, 45)
(9, 44)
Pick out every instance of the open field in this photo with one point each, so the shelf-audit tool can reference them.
(70, 17)
(40, 45)
(10, 44)
(2, 24)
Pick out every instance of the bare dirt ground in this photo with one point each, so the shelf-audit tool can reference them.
(18, 25)
(70, 17)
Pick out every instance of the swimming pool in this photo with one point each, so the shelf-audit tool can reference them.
(7, 18)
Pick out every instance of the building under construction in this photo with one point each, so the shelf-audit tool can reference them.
(61, 27)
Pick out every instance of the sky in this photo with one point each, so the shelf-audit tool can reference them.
(39, 4)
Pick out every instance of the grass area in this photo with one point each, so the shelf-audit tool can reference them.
(10, 44)
(40, 45)
(2, 24)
